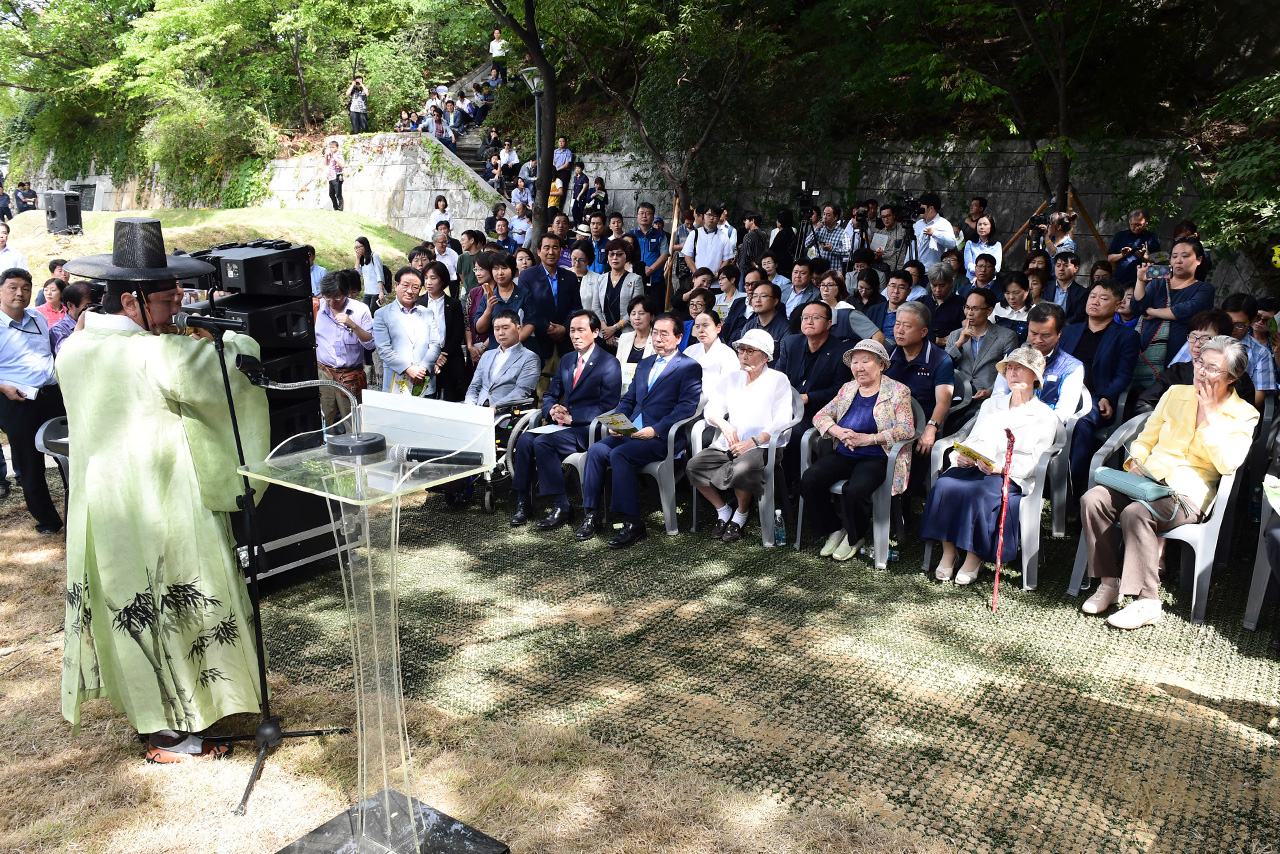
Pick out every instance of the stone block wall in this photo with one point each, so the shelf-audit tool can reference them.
(392, 178)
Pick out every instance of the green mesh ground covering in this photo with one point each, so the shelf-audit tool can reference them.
(1037, 729)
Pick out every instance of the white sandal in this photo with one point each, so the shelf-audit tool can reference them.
(944, 573)
(964, 579)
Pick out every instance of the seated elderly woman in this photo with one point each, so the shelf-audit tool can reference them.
(1196, 434)
(870, 412)
(963, 510)
(750, 406)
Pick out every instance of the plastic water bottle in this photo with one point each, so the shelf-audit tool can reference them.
(779, 529)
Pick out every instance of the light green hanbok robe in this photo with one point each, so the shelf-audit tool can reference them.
(158, 615)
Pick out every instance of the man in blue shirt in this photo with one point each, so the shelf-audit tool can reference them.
(926, 369)
(562, 158)
(599, 238)
(29, 393)
(317, 272)
(1131, 246)
(655, 249)
(885, 314)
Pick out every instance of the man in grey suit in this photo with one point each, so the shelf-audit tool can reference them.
(979, 344)
(507, 372)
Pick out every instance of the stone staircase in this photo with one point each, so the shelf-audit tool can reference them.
(469, 145)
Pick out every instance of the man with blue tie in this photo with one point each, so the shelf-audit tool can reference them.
(554, 291)
(587, 383)
(666, 390)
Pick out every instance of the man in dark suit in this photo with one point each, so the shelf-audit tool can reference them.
(1069, 295)
(586, 384)
(666, 389)
(813, 362)
(740, 310)
(1109, 352)
(555, 293)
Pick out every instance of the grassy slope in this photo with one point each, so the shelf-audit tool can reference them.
(332, 233)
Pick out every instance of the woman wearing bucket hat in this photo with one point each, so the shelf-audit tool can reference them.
(750, 406)
(963, 509)
(870, 412)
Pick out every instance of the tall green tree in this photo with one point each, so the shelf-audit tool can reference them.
(675, 68)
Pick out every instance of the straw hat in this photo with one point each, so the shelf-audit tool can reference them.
(1027, 356)
(867, 345)
(757, 339)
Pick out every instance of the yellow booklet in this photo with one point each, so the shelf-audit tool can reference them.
(965, 451)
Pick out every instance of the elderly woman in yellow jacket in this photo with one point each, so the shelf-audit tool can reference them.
(1196, 434)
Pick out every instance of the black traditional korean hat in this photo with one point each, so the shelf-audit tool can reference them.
(138, 261)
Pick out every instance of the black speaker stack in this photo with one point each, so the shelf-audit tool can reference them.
(269, 282)
(62, 212)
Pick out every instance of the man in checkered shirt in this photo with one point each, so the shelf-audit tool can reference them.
(830, 239)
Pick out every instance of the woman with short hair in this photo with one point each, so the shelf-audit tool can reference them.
(868, 414)
(612, 291)
(716, 357)
(750, 406)
(1197, 434)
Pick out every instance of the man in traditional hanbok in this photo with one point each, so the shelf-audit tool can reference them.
(158, 615)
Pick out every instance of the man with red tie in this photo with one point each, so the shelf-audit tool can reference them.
(587, 383)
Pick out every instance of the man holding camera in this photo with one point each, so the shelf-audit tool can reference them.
(358, 105)
(1130, 247)
(934, 235)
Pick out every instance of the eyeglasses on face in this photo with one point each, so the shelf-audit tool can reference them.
(1208, 371)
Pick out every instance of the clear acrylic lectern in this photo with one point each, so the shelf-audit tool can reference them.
(365, 495)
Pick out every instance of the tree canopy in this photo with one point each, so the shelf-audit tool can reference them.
(198, 89)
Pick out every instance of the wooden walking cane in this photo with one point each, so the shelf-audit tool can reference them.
(671, 242)
(1004, 509)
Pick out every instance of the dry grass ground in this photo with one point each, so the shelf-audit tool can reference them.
(540, 788)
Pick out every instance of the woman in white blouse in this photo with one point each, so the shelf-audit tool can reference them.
(750, 406)
(963, 509)
(439, 215)
(716, 357)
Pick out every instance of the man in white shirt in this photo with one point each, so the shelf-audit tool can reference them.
(498, 52)
(705, 247)
(9, 257)
(727, 231)
(317, 272)
(445, 254)
(934, 235)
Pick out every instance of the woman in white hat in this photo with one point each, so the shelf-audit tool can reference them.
(963, 509)
(869, 413)
(750, 406)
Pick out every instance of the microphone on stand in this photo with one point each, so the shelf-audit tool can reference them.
(409, 454)
(185, 321)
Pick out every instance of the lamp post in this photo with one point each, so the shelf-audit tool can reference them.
(533, 79)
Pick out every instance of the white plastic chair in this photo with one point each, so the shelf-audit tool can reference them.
(1029, 509)
(53, 438)
(1203, 541)
(700, 439)
(881, 500)
(664, 471)
(1060, 470)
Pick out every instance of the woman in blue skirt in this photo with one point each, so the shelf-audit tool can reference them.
(963, 510)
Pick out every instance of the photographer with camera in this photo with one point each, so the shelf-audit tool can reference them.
(1057, 233)
(829, 238)
(934, 235)
(892, 236)
(358, 105)
(1130, 248)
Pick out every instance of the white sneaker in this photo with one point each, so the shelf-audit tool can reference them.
(1139, 613)
(1104, 598)
(832, 542)
(846, 550)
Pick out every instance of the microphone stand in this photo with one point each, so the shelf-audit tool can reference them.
(269, 732)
